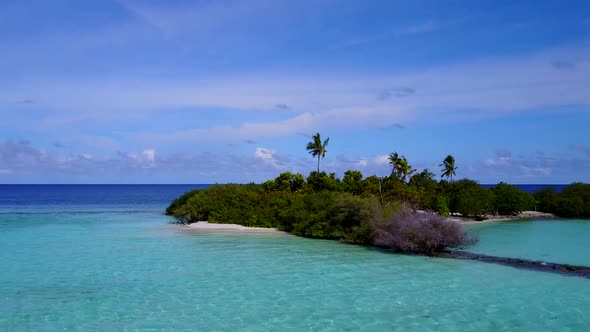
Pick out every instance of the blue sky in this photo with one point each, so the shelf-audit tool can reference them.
(134, 91)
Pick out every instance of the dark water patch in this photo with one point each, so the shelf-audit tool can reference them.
(563, 269)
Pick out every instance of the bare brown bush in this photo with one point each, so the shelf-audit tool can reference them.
(420, 233)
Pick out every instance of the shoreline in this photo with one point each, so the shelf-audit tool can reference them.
(229, 228)
(523, 216)
(236, 228)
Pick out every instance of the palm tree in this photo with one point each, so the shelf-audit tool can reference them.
(448, 167)
(316, 148)
(394, 162)
(404, 169)
(401, 169)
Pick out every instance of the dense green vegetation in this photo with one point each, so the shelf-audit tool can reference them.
(364, 210)
(511, 200)
(354, 215)
(572, 202)
(252, 205)
(371, 210)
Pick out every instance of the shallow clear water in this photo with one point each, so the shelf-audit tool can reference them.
(556, 241)
(117, 271)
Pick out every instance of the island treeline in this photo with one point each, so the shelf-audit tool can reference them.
(314, 208)
(403, 211)
(422, 192)
(572, 202)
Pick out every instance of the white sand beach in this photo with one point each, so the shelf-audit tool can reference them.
(525, 215)
(206, 226)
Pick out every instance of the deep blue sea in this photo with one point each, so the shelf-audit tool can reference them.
(105, 258)
(90, 198)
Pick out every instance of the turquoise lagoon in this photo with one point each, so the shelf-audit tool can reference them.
(556, 241)
(127, 269)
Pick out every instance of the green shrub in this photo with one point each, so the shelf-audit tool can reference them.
(470, 199)
(441, 207)
(353, 182)
(173, 208)
(546, 199)
(509, 200)
(322, 181)
(572, 202)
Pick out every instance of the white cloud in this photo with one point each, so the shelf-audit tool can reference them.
(532, 168)
(144, 159)
(534, 171)
(264, 153)
(269, 157)
(149, 155)
(381, 160)
(22, 162)
(490, 162)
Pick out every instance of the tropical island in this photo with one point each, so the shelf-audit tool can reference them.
(407, 211)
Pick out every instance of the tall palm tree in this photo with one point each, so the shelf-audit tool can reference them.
(401, 169)
(394, 162)
(316, 148)
(404, 169)
(448, 167)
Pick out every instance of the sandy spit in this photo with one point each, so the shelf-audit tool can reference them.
(525, 215)
(204, 225)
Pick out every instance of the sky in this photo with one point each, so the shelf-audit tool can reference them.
(142, 91)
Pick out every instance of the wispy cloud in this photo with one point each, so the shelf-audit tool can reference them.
(400, 92)
(510, 85)
(381, 160)
(282, 107)
(207, 21)
(531, 168)
(584, 149)
(351, 118)
(380, 37)
(393, 126)
(21, 160)
(271, 157)
(359, 163)
(22, 156)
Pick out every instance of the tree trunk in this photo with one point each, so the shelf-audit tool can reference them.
(318, 164)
